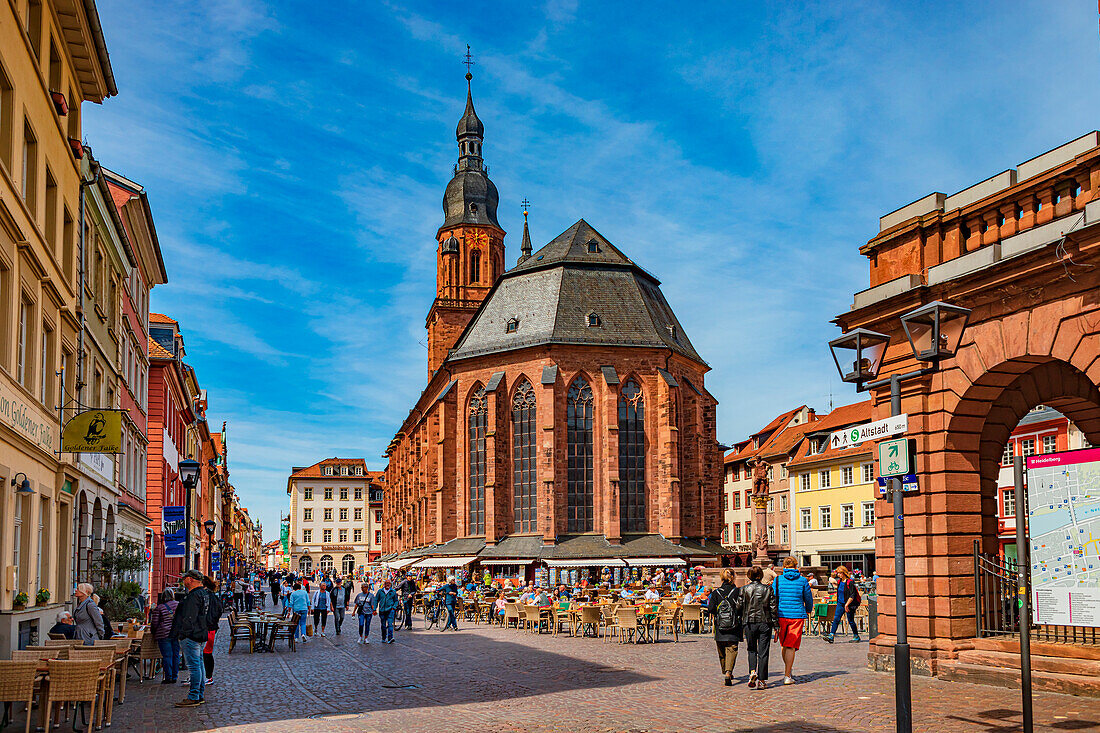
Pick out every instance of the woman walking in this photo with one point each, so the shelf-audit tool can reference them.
(161, 620)
(208, 650)
(795, 603)
(724, 607)
(320, 601)
(759, 618)
(364, 610)
(847, 601)
(89, 619)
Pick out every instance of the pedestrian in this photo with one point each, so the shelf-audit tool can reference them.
(760, 619)
(284, 594)
(363, 606)
(339, 602)
(238, 594)
(795, 603)
(320, 602)
(385, 603)
(299, 604)
(212, 618)
(88, 617)
(450, 602)
(847, 601)
(160, 618)
(189, 627)
(725, 607)
(408, 594)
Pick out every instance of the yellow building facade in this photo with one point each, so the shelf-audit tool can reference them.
(833, 495)
(52, 59)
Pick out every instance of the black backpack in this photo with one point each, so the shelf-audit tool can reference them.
(213, 610)
(725, 616)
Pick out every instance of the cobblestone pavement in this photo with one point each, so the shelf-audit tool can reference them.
(490, 679)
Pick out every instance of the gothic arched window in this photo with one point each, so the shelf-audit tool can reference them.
(476, 421)
(578, 425)
(524, 485)
(475, 266)
(631, 459)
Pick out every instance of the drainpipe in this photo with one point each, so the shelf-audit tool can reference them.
(84, 183)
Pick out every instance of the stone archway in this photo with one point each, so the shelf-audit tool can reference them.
(1051, 382)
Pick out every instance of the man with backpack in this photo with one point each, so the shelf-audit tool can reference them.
(724, 607)
(847, 601)
(191, 627)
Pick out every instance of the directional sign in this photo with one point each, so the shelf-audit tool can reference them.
(893, 457)
(908, 483)
(869, 431)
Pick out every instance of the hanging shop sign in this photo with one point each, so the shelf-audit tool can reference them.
(93, 431)
(175, 531)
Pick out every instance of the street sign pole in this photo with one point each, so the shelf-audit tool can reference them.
(902, 682)
(1023, 591)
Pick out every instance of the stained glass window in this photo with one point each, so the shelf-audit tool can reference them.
(631, 459)
(523, 458)
(578, 417)
(476, 422)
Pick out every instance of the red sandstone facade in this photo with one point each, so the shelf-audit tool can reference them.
(490, 435)
(1022, 250)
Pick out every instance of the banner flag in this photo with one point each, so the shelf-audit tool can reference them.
(175, 531)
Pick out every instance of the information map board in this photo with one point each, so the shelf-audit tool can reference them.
(1063, 492)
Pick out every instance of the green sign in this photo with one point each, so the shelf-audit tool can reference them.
(893, 457)
(284, 537)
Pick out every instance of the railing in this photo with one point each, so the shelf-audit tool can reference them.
(997, 613)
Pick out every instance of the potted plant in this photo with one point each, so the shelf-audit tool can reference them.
(20, 601)
(42, 597)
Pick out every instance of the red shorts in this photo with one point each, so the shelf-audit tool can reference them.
(790, 632)
(209, 648)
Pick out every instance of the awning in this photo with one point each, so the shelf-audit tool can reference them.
(636, 562)
(607, 562)
(398, 564)
(504, 561)
(445, 562)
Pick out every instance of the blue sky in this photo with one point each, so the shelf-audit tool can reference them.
(295, 156)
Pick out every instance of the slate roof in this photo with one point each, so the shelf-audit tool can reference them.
(553, 293)
(156, 351)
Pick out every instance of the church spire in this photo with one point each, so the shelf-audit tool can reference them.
(525, 245)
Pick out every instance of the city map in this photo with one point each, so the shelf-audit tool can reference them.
(1064, 530)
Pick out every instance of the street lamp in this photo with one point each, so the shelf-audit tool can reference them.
(24, 485)
(934, 332)
(189, 475)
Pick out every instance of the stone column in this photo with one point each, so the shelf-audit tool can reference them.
(760, 531)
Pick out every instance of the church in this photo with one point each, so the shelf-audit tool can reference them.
(566, 430)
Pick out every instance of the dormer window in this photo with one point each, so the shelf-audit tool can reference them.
(671, 331)
(593, 247)
(593, 319)
(513, 325)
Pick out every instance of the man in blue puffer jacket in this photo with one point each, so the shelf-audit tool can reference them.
(795, 603)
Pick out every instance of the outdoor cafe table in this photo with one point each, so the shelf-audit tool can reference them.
(261, 625)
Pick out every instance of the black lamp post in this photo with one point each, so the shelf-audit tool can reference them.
(934, 332)
(189, 475)
(209, 525)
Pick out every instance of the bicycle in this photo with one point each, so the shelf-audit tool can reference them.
(399, 616)
(434, 614)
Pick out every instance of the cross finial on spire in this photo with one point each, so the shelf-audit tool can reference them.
(469, 62)
(525, 205)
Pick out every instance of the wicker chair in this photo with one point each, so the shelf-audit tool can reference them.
(690, 613)
(37, 655)
(627, 624)
(148, 657)
(106, 659)
(609, 620)
(122, 661)
(284, 630)
(17, 685)
(241, 630)
(669, 618)
(73, 681)
(63, 642)
(512, 613)
(591, 619)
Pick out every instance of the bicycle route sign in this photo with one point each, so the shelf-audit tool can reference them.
(893, 457)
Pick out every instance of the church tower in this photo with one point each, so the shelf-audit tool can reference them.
(470, 244)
